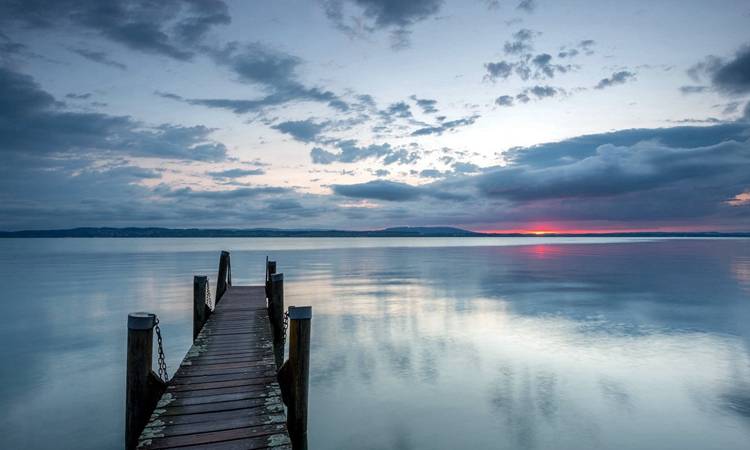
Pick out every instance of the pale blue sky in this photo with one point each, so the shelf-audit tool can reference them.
(372, 113)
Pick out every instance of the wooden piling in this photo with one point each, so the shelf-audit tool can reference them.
(224, 279)
(276, 313)
(201, 311)
(294, 375)
(143, 386)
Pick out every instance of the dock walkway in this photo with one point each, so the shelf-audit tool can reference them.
(225, 394)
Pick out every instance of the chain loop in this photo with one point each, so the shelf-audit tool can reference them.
(162, 364)
(209, 301)
(286, 325)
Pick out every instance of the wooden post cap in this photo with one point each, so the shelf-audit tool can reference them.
(224, 253)
(199, 278)
(300, 312)
(277, 277)
(141, 321)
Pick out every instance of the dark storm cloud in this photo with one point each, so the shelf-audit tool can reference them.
(445, 126)
(730, 77)
(629, 176)
(349, 153)
(301, 130)
(746, 112)
(427, 105)
(32, 122)
(164, 27)
(733, 77)
(378, 190)
(396, 15)
(235, 173)
(582, 147)
(99, 57)
(617, 78)
(645, 181)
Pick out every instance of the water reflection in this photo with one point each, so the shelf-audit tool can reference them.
(417, 344)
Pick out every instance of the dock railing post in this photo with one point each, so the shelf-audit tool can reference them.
(294, 375)
(143, 386)
(224, 278)
(276, 314)
(201, 311)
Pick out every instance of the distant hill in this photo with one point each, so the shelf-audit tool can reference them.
(273, 232)
(217, 233)
(431, 231)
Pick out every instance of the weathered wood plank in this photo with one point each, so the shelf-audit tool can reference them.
(225, 394)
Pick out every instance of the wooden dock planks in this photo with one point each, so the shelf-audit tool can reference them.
(225, 394)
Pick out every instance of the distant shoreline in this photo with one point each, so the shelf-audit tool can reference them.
(388, 232)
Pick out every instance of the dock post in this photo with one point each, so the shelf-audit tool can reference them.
(143, 386)
(224, 278)
(276, 314)
(201, 311)
(294, 375)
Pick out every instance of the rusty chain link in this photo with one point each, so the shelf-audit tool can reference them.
(209, 301)
(286, 325)
(162, 364)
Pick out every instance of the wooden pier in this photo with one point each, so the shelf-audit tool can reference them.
(226, 392)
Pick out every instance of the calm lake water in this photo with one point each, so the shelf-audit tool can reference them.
(430, 343)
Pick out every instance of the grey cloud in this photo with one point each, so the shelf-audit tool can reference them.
(132, 171)
(398, 16)
(527, 5)
(349, 153)
(378, 190)
(616, 171)
(525, 96)
(568, 53)
(301, 130)
(504, 100)
(428, 106)
(163, 28)
(396, 110)
(693, 89)
(545, 68)
(235, 173)
(616, 78)
(257, 63)
(462, 167)
(445, 126)
(401, 156)
(239, 193)
(33, 122)
(521, 42)
(502, 69)
(99, 57)
(78, 96)
(733, 77)
(431, 173)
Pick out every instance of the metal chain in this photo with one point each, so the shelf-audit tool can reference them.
(286, 325)
(162, 364)
(209, 301)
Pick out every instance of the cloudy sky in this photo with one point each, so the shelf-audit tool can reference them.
(363, 114)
